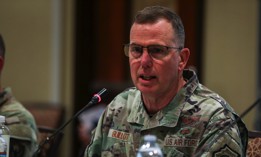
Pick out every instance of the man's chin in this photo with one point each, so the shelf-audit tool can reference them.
(146, 89)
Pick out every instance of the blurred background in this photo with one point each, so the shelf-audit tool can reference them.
(61, 52)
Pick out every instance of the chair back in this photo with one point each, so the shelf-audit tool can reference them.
(254, 144)
(48, 116)
(49, 144)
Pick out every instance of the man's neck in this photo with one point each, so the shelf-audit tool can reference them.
(154, 104)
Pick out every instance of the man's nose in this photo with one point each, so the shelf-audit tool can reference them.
(146, 59)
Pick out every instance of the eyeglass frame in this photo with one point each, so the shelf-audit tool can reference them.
(127, 50)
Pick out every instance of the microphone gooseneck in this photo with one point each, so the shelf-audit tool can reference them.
(226, 128)
(95, 99)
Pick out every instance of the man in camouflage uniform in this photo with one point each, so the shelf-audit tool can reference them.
(167, 101)
(19, 120)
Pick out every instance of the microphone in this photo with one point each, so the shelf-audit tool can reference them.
(226, 128)
(94, 100)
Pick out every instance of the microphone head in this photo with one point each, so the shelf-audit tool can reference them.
(97, 97)
(101, 92)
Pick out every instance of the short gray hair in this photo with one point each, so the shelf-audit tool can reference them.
(153, 13)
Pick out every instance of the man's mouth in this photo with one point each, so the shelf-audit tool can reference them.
(147, 77)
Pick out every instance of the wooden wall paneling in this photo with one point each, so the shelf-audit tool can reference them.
(100, 32)
(110, 32)
(192, 14)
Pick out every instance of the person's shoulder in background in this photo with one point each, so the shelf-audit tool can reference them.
(18, 119)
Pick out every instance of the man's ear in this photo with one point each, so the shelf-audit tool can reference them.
(184, 57)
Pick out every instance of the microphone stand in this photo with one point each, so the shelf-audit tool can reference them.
(95, 99)
(206, 146)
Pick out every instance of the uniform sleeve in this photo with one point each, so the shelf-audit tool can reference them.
(22, 128)
(217, 142)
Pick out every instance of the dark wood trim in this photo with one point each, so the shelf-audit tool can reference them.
(101, 29)
(192, 15)
(254, 134)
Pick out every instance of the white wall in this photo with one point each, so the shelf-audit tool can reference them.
(38, 36)
(28, 32)
(230, 52)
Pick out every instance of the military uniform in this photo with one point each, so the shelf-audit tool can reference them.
(21, 124)
(188, 126)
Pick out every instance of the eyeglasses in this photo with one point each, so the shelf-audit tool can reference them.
(155, 51)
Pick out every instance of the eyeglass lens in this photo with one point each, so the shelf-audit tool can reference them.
(155, 51)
